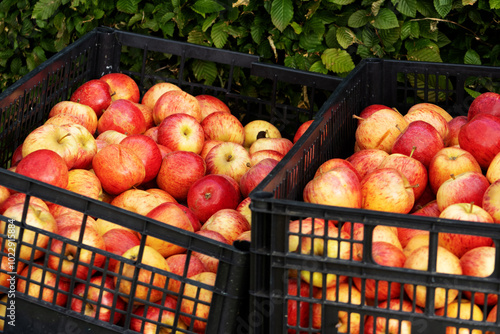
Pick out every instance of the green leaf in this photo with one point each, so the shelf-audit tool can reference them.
(407, 7)
(16, 65)
(376, 6)
(44, 9)
(430, 52)
(318, 67)
(472, 93)
(205, 71)
(345, 37)
(331, 38)
(207, 22)
(342, 2)
(337, 60)
(281, 13)
(443, 7)
(386, 19)
(313, 33)
(359, 19)
(369, 37)
(219, 34)
(128, 6)
(257, 29)
(472, 58)
(207, 6)
(297, 28)
(495, 4)
(468, 2)
(390, 36)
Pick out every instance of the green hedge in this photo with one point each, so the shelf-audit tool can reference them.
(326, 36)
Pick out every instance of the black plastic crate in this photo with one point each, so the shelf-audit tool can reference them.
(26, 105)
(278, 200)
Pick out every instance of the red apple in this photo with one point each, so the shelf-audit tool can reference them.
(17, 198)
(450, 161)
(147, 150)
(67, 256)
(138, 201)
(196, 301)
(152, 132)
(433, 107)
(7, 270)
(300, 227)
(491, 201)
(420, 140)
(258, 156)
(367, 111)
(424, 199)
(154, 92)
(452, 191)
(111, 137)
(87, 146)
(173, 102)
(122, 86)
(298, 310)
(94, 93)
(228, 158)
(181, 132)
(485, 103)
(118, 168)
(210, 262)
(339, 187)
(178, 171)
(75, 218)
(282, 145)
(122, 116)
(118, 241)
(367, 160)
(86, 114)
(333, 163)
(46, 166)
(244, 209)
(300, 131)
(461, 309)
(207, 146)
(480, 262)
(192, 217)
(17, 155)
(228, 222)
(209, 104)
(147, 112)
(159, 318)
(52, 290)
(97, 300)
(177, 264)
(454, 126)
(257, 129)
(223, 126)
(430, 209)
(481, 137)
(430, 116)
(382, 325)
(255, 175)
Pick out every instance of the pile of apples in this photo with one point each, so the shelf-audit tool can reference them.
(425, 163)
(180, 159)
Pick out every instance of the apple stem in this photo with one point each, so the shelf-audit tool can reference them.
(471, 207)
(452, 176)
(412, 150)
(396, 110)
(357, 117)
(413, 186)
(66, 135)
(397, 127)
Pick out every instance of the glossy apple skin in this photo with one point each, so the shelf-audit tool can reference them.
(46, 166)
(223, 126)
(173, 102)
(85, 114)
(181, 132)
(149, 153)
(122, 86)
(481, 137)
(367, 160)
(255, 175)
(154, 92)
(480, 262)
(209, 104)
(454, 126)
(431, 117)
(488, 103)
(123, 116)
(94, 93)
(452, 191)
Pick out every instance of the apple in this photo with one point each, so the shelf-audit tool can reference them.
(94, 93)
(447, 263)
(485, 103)
(333, 163)
(176, 101)
(161, 194)
(282, 145)
(75, 218)
(413, 169)
(433, 107)
(461, 309)
(257, 129)
(228, 222)
(192, 217)
(137, 200)
(64, 119)
(147, 150)
(7, 270)
(210, 262)
(170, 214)
(17, 198)
(53, 290)
(178, 171)
(370, 109)
(300, 131)
(196, 301)
(430, 116)
(35, 216)
(419, 140)
(209, 104)
(481, 137)
(416, 241)
(207, 146)
(55, 138)
(491, 201)
(301, 227)
(244, 209)
(118, 168)
(384, 254)
(164, 150)
(381, 233)
(176, 264)
(298, 310)
(255, 175)
(387, 189)
(459, 244)
(123, 116)
(157, 319)
(84, 182)
(111, 137)
(87, 146)
(210, 194)
(430, 209)
(228, 158)
(103, 226)
(224, 127)
(315, 244)
(380, 130)
(98, 299)
(448, 161)
(122, 86)
(154, 92)
(343, 293)
(181, 132)
(66, 256)
(479, 262)
(366, 160)
(152, 132)
(493, 171)
(46, 166)
(452, 191)
(147, 112)
(454, 126)
(17, 155)
(149, 285)
(424, 199)
(382, 325)
(85, 114)
(339, 187)
(118, 241)
(265, 154)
